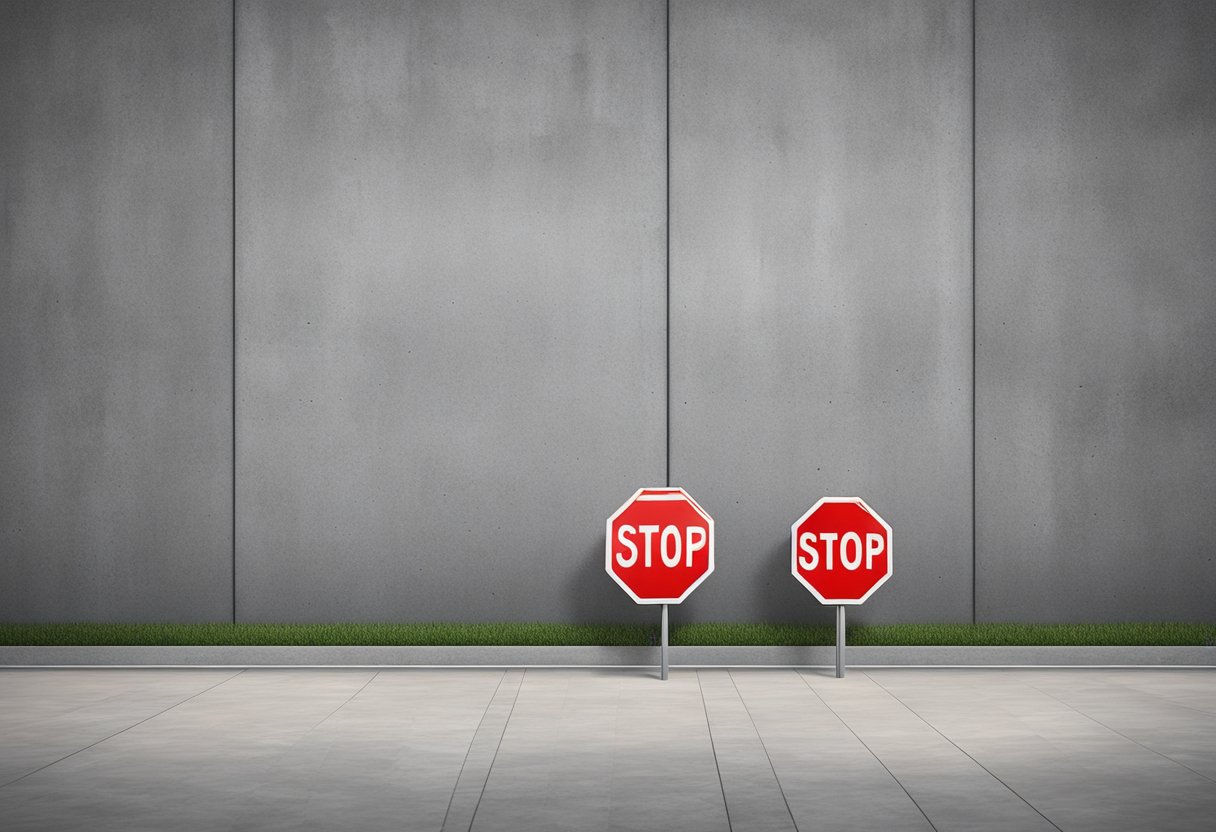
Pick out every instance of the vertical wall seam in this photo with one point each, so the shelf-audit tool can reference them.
(667, 256)
(974, 327)
(234, 2)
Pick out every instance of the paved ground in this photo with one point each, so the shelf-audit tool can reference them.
(570, 749)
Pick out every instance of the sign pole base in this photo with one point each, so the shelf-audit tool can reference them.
(840, 641)
(663, 647)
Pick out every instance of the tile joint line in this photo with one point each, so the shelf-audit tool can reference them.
(940, 733)
(469, 750)
(498, 747)
(124, 730)
(763, 747)
(866, 745)
(714, 748)
(1097, 721)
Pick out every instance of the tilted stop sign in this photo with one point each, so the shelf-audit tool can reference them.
(659, 547)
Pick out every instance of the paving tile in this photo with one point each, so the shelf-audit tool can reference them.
(953, 790)
(615, 750)
(1186, 687)
(272, 750)
(754, 799)
(482, 751)
(1074, 771)
(607, 749)
(47, 715)
(830, 779)
(1161, 723)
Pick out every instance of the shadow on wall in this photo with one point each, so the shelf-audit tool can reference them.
(782, 596)
(594, 598)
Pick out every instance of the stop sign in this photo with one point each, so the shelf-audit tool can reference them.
(660, 545)
(841, 550)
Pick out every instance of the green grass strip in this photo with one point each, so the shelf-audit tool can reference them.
(1162, 634)
(321, 635)
(542, 634)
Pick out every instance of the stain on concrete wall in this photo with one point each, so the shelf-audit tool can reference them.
(821, 290)
(115, 311)
(451, 287)
(1095, 269)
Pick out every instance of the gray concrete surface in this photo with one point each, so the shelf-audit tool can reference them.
(451, 303)
(450, 352)
(1096, 389)
(594, 656)
(607, 749)
(115, 311)
(821, 290)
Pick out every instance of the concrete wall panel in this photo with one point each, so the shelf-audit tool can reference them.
(115, 311)
(821, 289)
(1096, 262)
(451, 281)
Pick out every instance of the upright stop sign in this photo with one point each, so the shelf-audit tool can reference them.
(841, 550)
(660, 546)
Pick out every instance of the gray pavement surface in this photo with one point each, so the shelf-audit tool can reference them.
(607, 749)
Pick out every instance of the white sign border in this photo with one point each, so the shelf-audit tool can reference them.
(675, 494)
(794, 550)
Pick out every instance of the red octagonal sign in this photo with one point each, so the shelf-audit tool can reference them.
(841, 550)
(660, 545)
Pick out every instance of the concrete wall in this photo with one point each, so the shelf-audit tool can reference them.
(115, 310)
(450, 352)
(821, 289)
(1095, 262)
(451, 299)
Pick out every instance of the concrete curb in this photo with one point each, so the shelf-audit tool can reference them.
(604, 656)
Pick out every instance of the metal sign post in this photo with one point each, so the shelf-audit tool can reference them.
(840, 641)
(841, 551)
(663, 647)
(659, 547)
